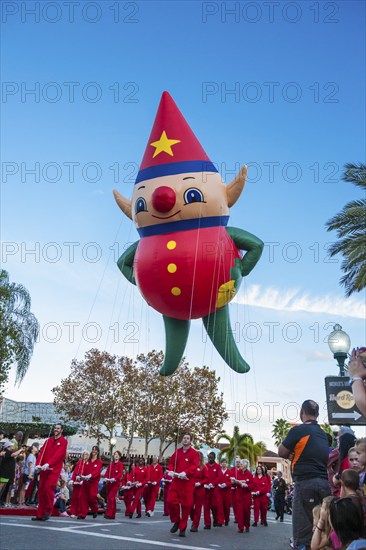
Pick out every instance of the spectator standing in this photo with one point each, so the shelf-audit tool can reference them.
(29, 470)
(279, 489)
(308, 446)
(7, 470)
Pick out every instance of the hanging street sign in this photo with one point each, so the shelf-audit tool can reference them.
(341, 405)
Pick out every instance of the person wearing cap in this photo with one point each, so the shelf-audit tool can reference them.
(7, 468)
(49, 464)
(180, 206)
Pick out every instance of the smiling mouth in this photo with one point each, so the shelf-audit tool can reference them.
(165, 217)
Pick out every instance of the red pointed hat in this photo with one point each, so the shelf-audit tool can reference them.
(172, 147)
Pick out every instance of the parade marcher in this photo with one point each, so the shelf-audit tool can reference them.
(224, 486)
(90, 479)
(308, 444)
(201, 479)
(77, 483)
(49, 463)
(211, 503)
(244, 486)
(261, 488)
(182, 468)
(167, 481)
(127, 492)
(279, 488)
(137, 480)
(234, 474)
(154, 476)
(113, 477)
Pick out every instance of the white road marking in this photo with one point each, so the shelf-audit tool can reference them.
(115, 537)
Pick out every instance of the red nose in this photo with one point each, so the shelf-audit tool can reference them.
(163, 199)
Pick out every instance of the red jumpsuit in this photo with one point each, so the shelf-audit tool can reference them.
(212, 497)
(127, 493)
(137, 475)
(234, 473)
(154, 476)
(201, 479)
(263, 486)
(225, 493)
(167, 481)
(244, 498)
(53, 453)
(114, 471)
(90, 488)
(78, 471)
(180, 498)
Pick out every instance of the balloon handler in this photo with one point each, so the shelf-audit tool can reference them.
(187, 264)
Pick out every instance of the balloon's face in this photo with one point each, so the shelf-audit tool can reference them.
(179, 197)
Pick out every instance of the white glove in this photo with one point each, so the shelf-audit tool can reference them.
(71, 483)
(153, 483)
(38, 468)
(182, 475)
(129, 483)
(77, 478)
(223, 485)
(232, 479)
(112, 480)
(268, 495)
(198, 484)
(87, 477)
(106, 479)
(45, 467)
(257, 493)
(211, 486)
(138, 484)
(206, 486)
(244, 484)
(170, 473)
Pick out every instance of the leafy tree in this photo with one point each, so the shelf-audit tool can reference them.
(19, 329)
(280, 429)
(94, 393)
(240, 445)
(350, 225)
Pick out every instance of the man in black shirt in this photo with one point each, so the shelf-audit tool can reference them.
(280, 488)
(307, 446)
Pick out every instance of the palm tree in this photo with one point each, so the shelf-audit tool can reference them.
(350, 225)
(280, 430)
(241, 445)
(19, 328)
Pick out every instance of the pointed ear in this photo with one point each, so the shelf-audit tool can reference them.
(124, 204)
(235, 188)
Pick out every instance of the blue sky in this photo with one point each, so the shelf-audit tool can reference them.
(279, 87)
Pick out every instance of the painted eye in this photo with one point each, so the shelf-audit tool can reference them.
(193, 195)
(140, 205)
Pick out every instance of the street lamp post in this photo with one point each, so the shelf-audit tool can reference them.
(112, 442)
(339, 344)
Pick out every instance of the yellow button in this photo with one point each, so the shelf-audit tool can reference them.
(171, 245)
(176, 291)
(172, 268)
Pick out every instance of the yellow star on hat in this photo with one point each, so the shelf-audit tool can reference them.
(164, 144)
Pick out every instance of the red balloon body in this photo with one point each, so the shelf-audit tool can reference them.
(179, 274)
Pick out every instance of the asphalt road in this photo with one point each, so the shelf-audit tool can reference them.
(20, 533)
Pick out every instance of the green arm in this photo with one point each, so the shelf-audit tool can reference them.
(125, 263)
(248, 242)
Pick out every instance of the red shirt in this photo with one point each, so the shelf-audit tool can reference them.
(224, 477)
(114, 470)
(155, 473)
(138, 474)
(53, 453)
(94, 468)
(261, 484)
(187, 462)
(247, 477)
(79, 469)
(201, 475)
(213, 473)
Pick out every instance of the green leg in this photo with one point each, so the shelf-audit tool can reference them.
(176, 335)
(218, 327)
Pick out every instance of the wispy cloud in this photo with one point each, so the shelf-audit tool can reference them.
(295, 300)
